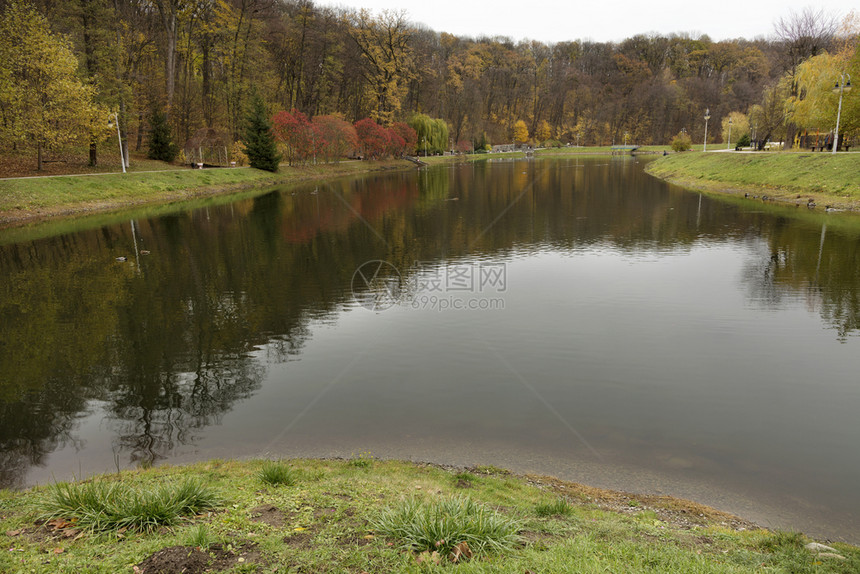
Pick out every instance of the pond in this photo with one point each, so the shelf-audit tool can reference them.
(573, 317)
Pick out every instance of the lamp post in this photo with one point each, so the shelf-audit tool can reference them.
(842, 87)
(119, 139)
(729, 145)
(707, 117)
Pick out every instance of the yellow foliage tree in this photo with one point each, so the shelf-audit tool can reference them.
(544, 131)
(740, 126)
(521, 132)
(42, 101)
(384, 43)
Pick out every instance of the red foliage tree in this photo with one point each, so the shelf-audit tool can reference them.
(396, 145)
(335, 137)
(372, 138)
(294, 131)
(408, 134)
(464, 146)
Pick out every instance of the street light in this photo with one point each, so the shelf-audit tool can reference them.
(707, 117)
(841, 87)
(119, 139)
(729, 145)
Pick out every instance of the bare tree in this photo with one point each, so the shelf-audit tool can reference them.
(805, 34)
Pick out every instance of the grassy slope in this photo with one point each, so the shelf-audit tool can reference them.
(34, 198)
(830, 180)
(320, 524)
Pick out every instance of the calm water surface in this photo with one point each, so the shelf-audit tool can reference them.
(572, 317)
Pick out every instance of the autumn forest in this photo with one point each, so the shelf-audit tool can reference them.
(199, 63)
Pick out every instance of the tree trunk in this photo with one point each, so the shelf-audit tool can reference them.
(168, 9)
(139, 143)
(39, 156)
(207, 88)
(89, 51)
(170, 28)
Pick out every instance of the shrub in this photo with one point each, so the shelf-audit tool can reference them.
(441, 525)
(682, 142)
(238, 155)
(744, 141)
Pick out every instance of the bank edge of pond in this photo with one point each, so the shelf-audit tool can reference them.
(324, 520)
(31, 200)
(813, 181)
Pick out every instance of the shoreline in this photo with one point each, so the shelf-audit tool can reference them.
(12, 217)
(771, 181)
(326, 512)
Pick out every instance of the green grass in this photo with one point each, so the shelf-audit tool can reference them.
(102, 505)
(558, 507)
(276, 473)
(830, 179)
(59, 195)
(344, 518)
(444, 524)
(200, 536)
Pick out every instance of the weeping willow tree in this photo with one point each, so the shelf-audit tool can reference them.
(432, 132)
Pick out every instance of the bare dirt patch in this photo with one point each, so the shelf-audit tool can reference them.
(193, 560)
(270, 515)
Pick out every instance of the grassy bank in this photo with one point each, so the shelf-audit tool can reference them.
(364, 515)
(28, 199)
(792, 177)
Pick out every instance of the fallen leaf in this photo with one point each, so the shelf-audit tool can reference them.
(369, 537)
(13, 532)
(59, 523)
(58, 550)
(461, 551)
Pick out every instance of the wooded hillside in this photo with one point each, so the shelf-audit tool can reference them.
(200, 61)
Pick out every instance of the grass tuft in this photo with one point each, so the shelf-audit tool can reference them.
(558, 507)
(201, 537)
(276, 473)
(100, 505)
(440, 525)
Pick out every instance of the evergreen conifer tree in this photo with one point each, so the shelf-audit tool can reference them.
(259, 140)
(161, 146)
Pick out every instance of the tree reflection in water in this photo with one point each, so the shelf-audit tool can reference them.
(167, 343)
